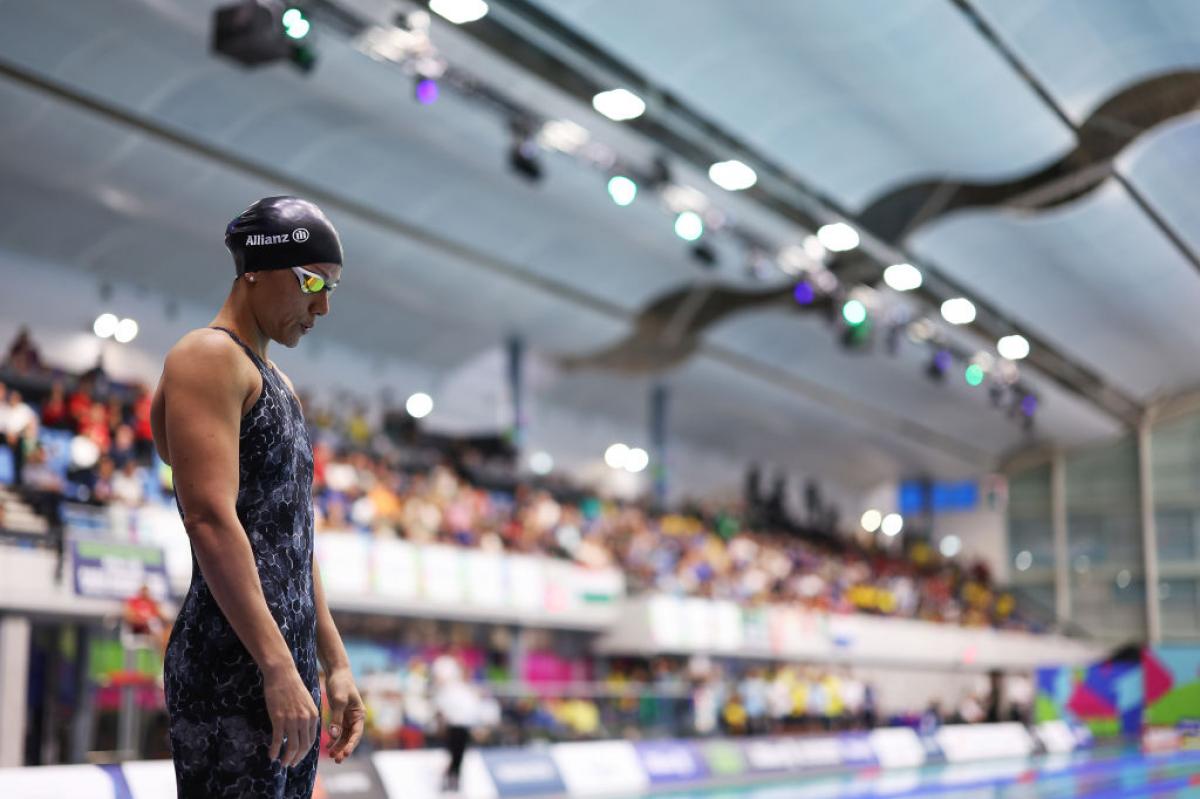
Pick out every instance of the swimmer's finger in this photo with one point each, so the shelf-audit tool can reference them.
(276, 740)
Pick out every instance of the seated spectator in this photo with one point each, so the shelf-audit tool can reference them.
(38, 475)
(94, 426)
(129, 485)
(55, 414)
(19, 426)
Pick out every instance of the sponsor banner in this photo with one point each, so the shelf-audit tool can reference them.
(723, 758)
(418, 774)
(118, 571)
(856, 749)
(962, 743)
(816, 753)
(149, 779)
(600, 768)
(485, 579)
(523, 772)
(345, 560)
(442, 574)
(766, 755)
(897, 747)
(395, 573)
(354, 779)
(1056, 736)
(526, 582)
(667, 762)
(62, 782)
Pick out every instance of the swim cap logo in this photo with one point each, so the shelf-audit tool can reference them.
(300, 235)
(257, 239)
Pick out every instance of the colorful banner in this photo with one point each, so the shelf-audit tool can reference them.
(1172, 707)
(1106, 697)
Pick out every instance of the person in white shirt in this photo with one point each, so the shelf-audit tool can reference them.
(20, 426)
(457, 704)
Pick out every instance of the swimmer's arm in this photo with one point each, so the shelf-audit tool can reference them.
(330, 650)
(202, 422)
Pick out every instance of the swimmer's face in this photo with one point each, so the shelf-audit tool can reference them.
(284, 312)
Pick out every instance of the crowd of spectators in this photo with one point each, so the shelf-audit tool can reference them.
(371, 480)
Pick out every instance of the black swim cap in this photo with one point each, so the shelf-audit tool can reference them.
(282, 232)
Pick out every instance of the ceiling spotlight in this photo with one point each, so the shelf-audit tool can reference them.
(419, 405)
(126, 331)
(619, 105)
(563, 135)
(426, 91)
(950, 546)
(1023, 560)
(854, 312)
(732, 175)
(871, 520)
(974, 375)
(689, 226)
(892, 524)
(939, 364)
(541, 463)
(459, 12)
(622, 190)
(838, 237)
(616, 456)
(1013, 347)
(902, 277)
(105, 325)
(958, 311)
(803, 294)
(636, 460)
(294, 24)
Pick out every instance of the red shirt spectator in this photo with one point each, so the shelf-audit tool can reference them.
(54, 410)
(79, 407)
(94, 425)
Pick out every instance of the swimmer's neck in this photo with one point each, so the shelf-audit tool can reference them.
(237, 315)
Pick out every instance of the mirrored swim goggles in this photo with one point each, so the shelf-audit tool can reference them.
(311, 282)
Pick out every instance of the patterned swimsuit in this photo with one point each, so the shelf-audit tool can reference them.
(220, 730)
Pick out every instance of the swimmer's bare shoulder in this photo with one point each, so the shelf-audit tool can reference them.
(204, 355)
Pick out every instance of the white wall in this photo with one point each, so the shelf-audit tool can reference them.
(983, 535)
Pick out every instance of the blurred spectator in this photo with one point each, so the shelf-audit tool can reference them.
(458, 706)
(55, 414)
(128, 485)
(19, 426)
(23, 356)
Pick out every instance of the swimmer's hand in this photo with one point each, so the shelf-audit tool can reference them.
(346, 713)
(293, 715)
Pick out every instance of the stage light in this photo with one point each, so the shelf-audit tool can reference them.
(950, 546)
(892, 524)
(459, 12)
(838, 237)
(619, 105)
(902, 277)
(974, 375)
(126, 331)
(419, 405)
(622, 190)
(294, 24)
(541, 463)
(616, 456)
(871, 520)
(958, 311)
(732, 175)
(426, 91)
(105, 325)
(1013, 347)
(854, 312)
(1029, 405)
(689, 226)
(803, 294)
(636, 460)
(1023, 560)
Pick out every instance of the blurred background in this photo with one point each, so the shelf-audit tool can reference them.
(791, 396)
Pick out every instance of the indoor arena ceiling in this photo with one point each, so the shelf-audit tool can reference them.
(1039, 156)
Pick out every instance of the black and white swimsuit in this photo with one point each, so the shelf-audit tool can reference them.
(219, 727)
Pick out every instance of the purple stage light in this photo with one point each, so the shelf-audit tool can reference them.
(427, 91)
